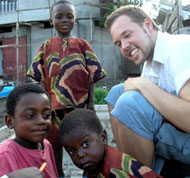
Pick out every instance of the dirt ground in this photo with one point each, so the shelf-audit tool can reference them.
(2, 122)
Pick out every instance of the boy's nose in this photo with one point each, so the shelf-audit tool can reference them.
(81, 153)
(64, 19)
(40, 119)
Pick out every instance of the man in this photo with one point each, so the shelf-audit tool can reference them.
(150, 115)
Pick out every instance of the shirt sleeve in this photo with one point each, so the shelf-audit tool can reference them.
(36, 69)
(8, 164)
(133, 168)
(180, 62)
(96, 71)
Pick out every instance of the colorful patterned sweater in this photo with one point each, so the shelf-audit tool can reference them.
(120, 165)
(66, 66)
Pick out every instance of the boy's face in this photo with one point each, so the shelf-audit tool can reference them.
(63, 19)
(32, 119)
(86, 148)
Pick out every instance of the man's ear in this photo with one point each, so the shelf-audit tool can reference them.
(149, 24)
(9, 121)
(104, 136)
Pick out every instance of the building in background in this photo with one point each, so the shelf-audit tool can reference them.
(24, 25)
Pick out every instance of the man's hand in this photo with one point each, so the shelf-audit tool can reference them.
(135, 83)
(29, 172)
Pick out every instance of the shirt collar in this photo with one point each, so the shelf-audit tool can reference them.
(160, 50)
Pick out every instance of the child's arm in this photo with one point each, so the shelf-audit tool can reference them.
(36, 69)
(43, 84)
(90, 104)
(26, 173)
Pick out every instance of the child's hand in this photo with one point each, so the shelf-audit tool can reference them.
(29, 172)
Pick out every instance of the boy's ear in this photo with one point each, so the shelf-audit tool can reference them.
(50, 21)
(9, 121)
(104, 136)
(75, 20)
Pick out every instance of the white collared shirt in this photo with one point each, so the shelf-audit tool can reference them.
(170, 67)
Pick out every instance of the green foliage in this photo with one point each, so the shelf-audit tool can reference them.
(110, 8)
(99, 95)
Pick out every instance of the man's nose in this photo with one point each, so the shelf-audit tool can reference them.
(125, 44)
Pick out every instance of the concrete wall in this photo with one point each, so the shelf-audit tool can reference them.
(100, 39)
(38, 10)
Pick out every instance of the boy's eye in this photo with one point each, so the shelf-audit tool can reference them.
(70, 16)
(30, 116)
(58, 17)
(47, 116)
(71, 152)
(85, 144)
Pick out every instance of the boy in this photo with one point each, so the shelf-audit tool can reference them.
(68, 68)
(29, 114)
(85, 141)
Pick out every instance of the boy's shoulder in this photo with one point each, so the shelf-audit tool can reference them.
(7, 145)
(47, 143)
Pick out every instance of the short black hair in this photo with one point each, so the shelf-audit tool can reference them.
(60, 2)
(85, 119)
(18, 92)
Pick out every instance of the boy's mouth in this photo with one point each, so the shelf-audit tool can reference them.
(40, 131)
(66, 25)
(87, 166)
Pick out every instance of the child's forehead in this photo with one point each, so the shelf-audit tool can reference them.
(30, 96)
(60, 6)
(78, 136)
(81, 132)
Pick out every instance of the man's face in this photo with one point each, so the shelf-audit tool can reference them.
(135, 41)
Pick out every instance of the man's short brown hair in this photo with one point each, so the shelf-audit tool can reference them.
(136, 14)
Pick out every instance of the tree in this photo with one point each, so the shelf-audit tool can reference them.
(110, 6)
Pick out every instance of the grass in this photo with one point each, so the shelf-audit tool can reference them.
(99, 95)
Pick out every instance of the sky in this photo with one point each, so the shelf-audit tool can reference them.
(185, 2)
(152, 6)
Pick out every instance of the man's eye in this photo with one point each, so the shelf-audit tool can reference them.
(127, 35)
(85, 144)
(71, 152)
(118, 45)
